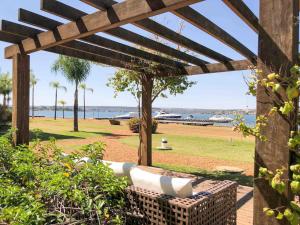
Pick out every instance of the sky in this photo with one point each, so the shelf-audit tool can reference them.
(212, 91)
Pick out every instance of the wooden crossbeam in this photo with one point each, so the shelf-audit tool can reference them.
(218, 67)
(25, 31)
(192, 16)
(49, 24)
(189, 70)
(7, 35)
(70, 13)
(242, 10)
(118, 15)
(164, 32)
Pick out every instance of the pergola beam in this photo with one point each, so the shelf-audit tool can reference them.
(219, 67)
(278, 51)
(15, 37)
(20, 90)
(118, 15)
(242, 10)
(49, 24)
(18, 29)
(70, 13)
(198, 20)
(164, 32)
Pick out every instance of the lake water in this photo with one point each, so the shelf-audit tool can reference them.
(250, 119)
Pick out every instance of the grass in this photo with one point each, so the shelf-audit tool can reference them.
(233, 150)
(184, 143)
(239, 178)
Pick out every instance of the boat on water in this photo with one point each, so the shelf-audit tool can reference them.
(129, 115)
(162, 115)
(220, 119)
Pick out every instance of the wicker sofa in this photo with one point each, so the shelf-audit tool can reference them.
(213, 204)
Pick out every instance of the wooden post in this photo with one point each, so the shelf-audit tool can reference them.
(146, 123)
(20, 117)
(278, 51)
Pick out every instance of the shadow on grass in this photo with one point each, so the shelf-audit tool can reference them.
(241, 179)
(43, 136)
(107, 134)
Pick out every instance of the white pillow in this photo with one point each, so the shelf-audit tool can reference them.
(120, 169)
(177, 187)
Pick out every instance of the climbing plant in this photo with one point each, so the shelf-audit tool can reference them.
(288, 90)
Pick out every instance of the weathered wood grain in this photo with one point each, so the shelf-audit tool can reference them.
(20, 111)
(278, 51)
(120, 14)
(73, 14)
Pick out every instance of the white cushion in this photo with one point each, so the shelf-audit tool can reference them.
(120, 169)
(177, 187)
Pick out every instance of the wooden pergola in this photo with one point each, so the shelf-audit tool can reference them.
(277, 28)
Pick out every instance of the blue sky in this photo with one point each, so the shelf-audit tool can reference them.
(223, 90)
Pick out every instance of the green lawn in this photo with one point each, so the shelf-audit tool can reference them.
(242, 179)
(223, 149)
(185, 144)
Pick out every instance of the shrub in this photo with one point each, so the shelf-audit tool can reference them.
(5, 115)
(38, 185)
(134, 125)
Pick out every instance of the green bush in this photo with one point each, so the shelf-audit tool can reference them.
(5, 115)
(134, 125)
(38, 185)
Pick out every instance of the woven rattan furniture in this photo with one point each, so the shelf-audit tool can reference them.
(214, 204)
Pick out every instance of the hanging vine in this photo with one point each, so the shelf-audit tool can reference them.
(286, 90)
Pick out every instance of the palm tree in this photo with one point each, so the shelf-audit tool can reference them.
(63, 103)
(76, 71)
(33, 82)
(56, 85)
(85, 88)
(5, 87)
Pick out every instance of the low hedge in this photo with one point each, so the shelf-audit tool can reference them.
(134, 125)
(5, 115)
(40, 186)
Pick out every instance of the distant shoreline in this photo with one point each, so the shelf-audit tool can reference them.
(134, 109)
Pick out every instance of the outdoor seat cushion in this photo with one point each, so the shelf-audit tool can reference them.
(177, 187)
(120, 169)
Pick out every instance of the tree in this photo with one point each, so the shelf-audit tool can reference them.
(33, 82)
(85, 88)
(76, 71)
(63, 103)
(5, 87)
(171, 82)
(56, 85)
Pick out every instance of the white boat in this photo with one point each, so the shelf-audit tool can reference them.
(129, 115)
(220, 119)
(164, 115)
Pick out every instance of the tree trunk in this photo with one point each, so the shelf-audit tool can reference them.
(55, 106)
(146, 121)
(4, 101)
(76, 108)
(63, 111)
(7, 100)
(83, 103)
(32, 104)
(140, 133)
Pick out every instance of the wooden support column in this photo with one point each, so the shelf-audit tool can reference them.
(278, 51)
(146, 123)
(20, 117)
